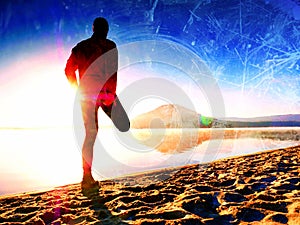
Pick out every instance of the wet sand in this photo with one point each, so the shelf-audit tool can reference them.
(262, 188)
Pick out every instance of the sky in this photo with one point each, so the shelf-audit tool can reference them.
(235, 59)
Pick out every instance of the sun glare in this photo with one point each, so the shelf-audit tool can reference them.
(38, 93)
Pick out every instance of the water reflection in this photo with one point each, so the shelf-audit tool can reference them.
(179, 140)
(43, 158)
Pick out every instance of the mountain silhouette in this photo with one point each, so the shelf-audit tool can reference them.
(175, 116)
(167, 116)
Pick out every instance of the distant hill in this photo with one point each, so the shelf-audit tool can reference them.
(289, 120)
(169, 116)
(277, 118)
(175, 116)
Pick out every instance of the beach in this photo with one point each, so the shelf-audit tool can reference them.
(260, 188)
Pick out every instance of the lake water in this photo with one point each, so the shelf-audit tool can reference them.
(36, 159)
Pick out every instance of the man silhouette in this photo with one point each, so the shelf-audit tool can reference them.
(96, 60)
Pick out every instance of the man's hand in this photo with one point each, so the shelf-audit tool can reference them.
(74, 85)
(107, 98)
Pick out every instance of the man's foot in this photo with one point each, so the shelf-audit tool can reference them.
(88, 183)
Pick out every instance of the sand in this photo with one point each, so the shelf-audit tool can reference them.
(262, 188)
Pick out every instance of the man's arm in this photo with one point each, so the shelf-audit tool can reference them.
(70, 69)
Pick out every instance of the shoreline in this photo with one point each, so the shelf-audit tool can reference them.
(154, 170)
(257, 188)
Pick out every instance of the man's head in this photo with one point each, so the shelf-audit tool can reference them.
(100, 27)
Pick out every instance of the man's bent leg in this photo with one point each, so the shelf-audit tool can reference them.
(118, 115)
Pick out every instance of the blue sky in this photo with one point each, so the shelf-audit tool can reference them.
(251, 48)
